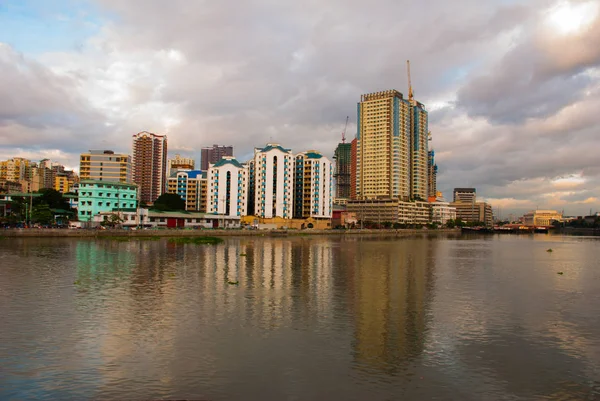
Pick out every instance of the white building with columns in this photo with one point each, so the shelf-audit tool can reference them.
(273, 176)
(227, 187)
(313, 182)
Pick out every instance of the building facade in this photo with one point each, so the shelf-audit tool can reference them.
(150, 165)
(15, 169)
(313, 182)
(191, 187)
(342, 157)
(211, 155)
(474, 212)
(541, 217)
(432, 170)
(441, 212)
(353, 168)
(392, 147)
(179, 163)
(465, 195)
(105, 165)
(227, 188)
(273, 181)
(97, 197)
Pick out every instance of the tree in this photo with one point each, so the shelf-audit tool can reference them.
(52, 198)
(113, 220)
(169, 202)
(450, 223)
(42, 214)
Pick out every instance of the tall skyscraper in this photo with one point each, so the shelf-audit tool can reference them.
(432, 169)
(392, 147)
(227, 187)
(342, 158)
(273, 181)
(150, 165)
(213, 155)
(105, 165)
(313, 181)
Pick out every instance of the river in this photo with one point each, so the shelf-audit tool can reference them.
(303, 318)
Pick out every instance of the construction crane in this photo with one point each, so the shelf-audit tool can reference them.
(410, 91)
(344, 131)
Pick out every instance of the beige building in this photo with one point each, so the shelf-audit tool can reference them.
(541, 217)
(149, 165)
(392, 147)
(390, 210)
(105, 165)
(179, 163)
(16, 169)
(441, 211)
(191, 187)
(470, 212)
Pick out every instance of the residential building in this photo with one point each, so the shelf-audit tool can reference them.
(191, 187)
(179, 163)
(465, 195)
(273, 181)
(342, 157)
(541, 217)
(415, 212)
(441, 211)
(432, 170)
(150, 165)
(211, 155)
(105, 165)
(97, 196)
(392, 147)
(62, 183)
(473, 212)
(15, 169)
(313, 185)
(227, 187)
(353, 168)
(391, 211)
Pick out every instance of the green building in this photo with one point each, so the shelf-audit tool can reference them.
(342, 170)
(104, 196)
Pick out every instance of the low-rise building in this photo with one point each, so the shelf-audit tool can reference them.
(441, 211)
(96, 197)
(541, 217)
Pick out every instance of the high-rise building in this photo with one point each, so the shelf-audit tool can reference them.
(353, 168)
(213, 154)
(191, 187)
(465, 195)
(105, 165)
(342, 158)
(273, 181)
(392, 147)
(227, 187)
(15, 169)
(179, 163)
(150, 165)
(313, 181)
(432, 169)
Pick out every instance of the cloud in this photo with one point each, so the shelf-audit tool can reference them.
(513, 103)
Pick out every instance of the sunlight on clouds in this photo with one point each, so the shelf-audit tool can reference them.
(568, 18)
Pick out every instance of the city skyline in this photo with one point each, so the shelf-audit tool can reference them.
(511, 89)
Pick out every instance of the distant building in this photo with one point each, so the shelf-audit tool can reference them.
(191, 187)
(465, 195)
(432, 170)
(150, 165)
(15, 169)
(179, 163)
(97, 197)
(227, 187)
(273, 173)
(390, 211)
(473, 212)
(211, 155)
(343, 159)
(441, 211)
(105, 165)
(353, 168)
(541, 217)
(313, 181)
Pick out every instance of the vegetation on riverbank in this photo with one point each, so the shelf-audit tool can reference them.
(196, 240)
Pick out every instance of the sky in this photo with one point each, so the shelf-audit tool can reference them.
(512, 87)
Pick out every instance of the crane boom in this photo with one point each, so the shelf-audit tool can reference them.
(344, 131)
(410, 91)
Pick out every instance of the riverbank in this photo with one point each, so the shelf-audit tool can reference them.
(36, 233)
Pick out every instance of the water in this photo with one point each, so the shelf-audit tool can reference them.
(439, 318)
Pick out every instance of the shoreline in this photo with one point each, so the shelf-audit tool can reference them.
(83, 233)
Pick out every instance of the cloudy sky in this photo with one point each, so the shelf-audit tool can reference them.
(513, 87)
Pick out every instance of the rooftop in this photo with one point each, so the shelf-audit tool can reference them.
(271, 146)
(227, 160)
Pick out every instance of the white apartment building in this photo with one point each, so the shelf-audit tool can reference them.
(273, 181)
(441, 212)
(313, 183)
(227, 188)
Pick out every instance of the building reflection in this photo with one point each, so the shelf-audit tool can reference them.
(392, 286)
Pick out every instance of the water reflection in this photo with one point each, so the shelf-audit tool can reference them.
(267, 318)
